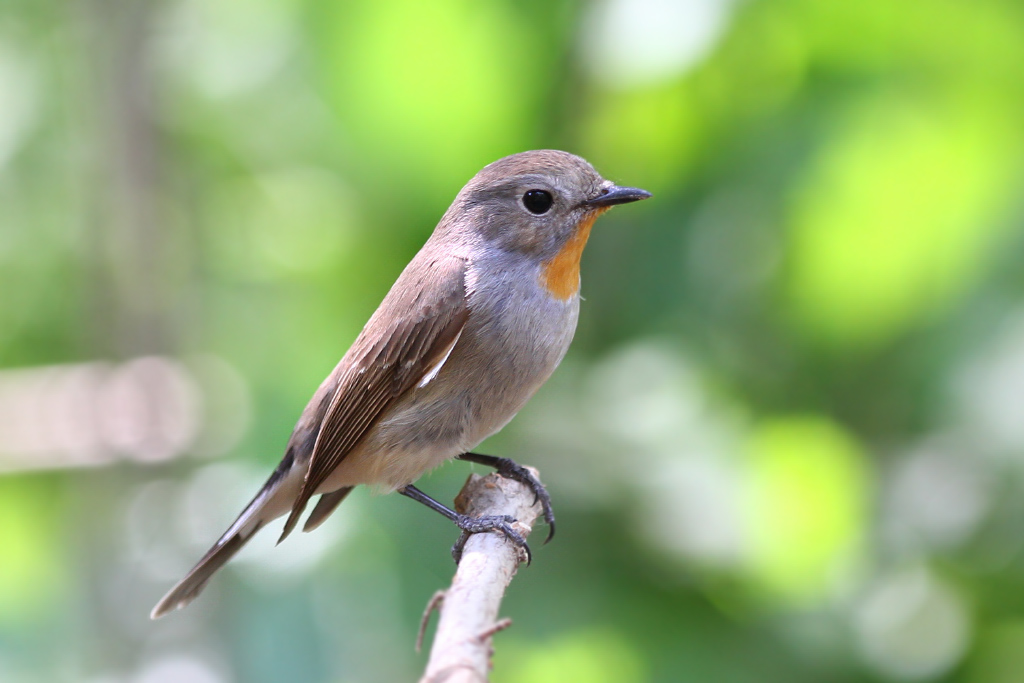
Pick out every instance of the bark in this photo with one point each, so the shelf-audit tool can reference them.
(461, 652)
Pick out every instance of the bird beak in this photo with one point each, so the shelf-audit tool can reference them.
(614, 194)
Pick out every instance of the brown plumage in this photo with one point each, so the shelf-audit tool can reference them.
(475, 323)
(414, 328)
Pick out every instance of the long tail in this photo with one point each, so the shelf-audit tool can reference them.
(272, 501)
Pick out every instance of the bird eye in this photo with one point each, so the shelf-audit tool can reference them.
(537, 201)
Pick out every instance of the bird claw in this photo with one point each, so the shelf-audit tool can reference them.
(510, 469)
(479, 525)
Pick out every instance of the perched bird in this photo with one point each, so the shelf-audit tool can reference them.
(473, 326)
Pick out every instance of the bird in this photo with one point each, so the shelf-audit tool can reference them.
(472, 327)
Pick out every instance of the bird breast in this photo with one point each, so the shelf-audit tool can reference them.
(515, 337)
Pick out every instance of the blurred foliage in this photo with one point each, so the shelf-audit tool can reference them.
(805, 502)
(788, 441)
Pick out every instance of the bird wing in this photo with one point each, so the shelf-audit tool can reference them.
(407, 338)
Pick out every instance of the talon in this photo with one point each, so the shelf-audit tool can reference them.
(479, 525)
(459, 547)
(517, 472)
(471, 525)
(510, 469)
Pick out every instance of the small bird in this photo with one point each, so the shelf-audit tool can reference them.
(473, 326)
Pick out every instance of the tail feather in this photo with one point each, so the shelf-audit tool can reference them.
(271, 502)
(324, 507)
(189, 588)
(289, 524)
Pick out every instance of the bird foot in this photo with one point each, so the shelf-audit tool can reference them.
(479, 525)
(510, 469)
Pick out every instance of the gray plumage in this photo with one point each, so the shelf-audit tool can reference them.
(467, 334)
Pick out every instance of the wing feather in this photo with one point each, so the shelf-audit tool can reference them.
(415, 327)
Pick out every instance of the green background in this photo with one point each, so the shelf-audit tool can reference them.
(786, 445)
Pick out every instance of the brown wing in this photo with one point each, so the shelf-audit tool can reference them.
(414, 328)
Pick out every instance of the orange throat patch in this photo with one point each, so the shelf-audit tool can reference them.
(560, 275)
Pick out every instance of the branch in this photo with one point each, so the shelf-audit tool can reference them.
(469, 609)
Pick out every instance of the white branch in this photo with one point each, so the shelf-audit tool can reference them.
(469, 611)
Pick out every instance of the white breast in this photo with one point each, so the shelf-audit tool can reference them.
(521, 334)
(514, 339)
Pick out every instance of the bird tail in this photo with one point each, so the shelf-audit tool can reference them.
(270, 503)
(186, 590)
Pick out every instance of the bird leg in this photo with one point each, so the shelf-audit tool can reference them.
(470, 525)
(510, 469)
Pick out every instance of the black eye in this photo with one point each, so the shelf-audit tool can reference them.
(537, 201)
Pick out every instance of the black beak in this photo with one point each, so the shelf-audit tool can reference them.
(617, 195)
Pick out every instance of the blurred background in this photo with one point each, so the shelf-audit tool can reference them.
(787, 444)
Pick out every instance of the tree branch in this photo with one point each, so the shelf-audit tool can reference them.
(469, 611)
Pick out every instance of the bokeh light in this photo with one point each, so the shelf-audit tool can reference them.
(787, 444)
